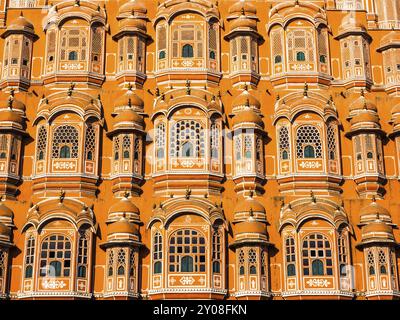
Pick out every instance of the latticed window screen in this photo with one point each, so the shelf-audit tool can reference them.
(137, 149)
(371, 262)
(132, 263)
(187, 251)
(126, 146)
(382, 261)
(121, 262)
(3, 256)
(323, 51)
(22, 4)
(3, 146)
(110, 262)
(248, 146)
(74, 44)
(241, 261)
(187, 35)
(14, 148)
(259, 149)
(277, 46)
(157, 253)
(160, 140)
(97, 43)
(264, 262)
(290, 256)
(342, 253)
(238, 147)
(116, 147)
(332, 150)
(284, 143)
(162, 41)
(29, 256)
(214, 140)
(51, 46)
(187, 139)
(317, 256)
(301, 45)
(308, 137)
(252, 261)
(212, 40)
(90, 143)
(55, 257)
(217, 252)
(83, 246)
(65, 136)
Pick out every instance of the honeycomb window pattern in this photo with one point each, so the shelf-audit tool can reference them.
(308, 136)
(65, 135)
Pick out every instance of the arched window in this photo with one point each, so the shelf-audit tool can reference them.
(187, 139)
(73, 55)
(284, 144)
(187, 264)
(90, 142)
(331, 133)
(65, 142)
(382, 261)
(212, 55)
(238, 147)
(126, 147)
(342, 253)
(187, 251)
(248, 147)
(290, 256)
(309, 152)
(278, 59)
(160, 140)
(317, 268)
(29, 257)
(55, 256)
(317, 255)
(83, 247)
(157, 253)
(187, 51)
(110, 263)
(3, 146)
(214, 140)
(121, 262)
(308, 144)
(241, 262)
(161, 55)
(300, 56)
(41, 143)
(216, 251)
(116, 147)
(371, 262)
(252, 260)
(2, 263)
(65, 152)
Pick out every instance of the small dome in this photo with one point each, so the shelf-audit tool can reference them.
(10, 116)
(242, 7)
(132, 7)
(365, 117)
(377, 231)
(251, 226)
(21, 23)
(132, 24)
(349, 23)
(4, 231)
(246, 99)
(249, 204)
(122, 226)
(396, 109)
(373, 211)
(130, 99)
(391, 38)
(362, 103)
(5, 211)
(124, 206)
(377, 226)
(243, 23)
(247, 116)
(128, 116)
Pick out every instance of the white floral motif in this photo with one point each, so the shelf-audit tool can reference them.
(319, 283)
(53, 284)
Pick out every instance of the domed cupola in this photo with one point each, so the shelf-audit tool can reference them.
(378, 245)
(244, 40)
(132, 40)
(251, 248)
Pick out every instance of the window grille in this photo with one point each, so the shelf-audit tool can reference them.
(317, 256)
(308, 136)
(65, 136)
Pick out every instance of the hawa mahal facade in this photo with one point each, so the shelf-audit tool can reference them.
(199, 149)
